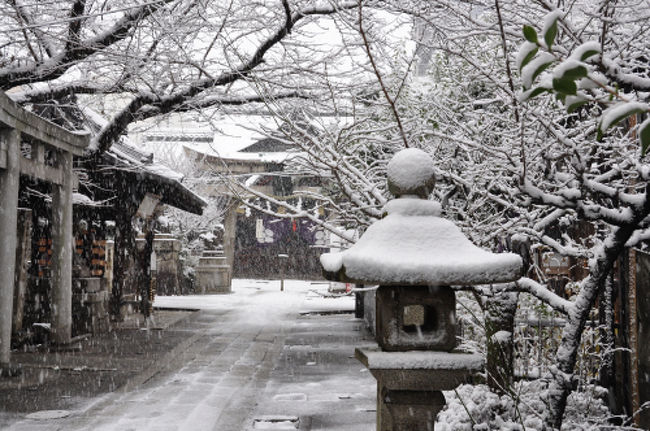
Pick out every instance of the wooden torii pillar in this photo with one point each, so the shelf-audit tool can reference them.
(32, 146)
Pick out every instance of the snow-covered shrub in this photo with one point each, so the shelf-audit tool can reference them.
(476, 408)
(536, 338)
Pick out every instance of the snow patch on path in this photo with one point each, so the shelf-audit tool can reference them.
(44, 415)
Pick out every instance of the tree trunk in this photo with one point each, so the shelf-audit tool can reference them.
(499, 328)
(567, 354)
(607, 324)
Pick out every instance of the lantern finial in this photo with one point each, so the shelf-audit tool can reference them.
(410, 172)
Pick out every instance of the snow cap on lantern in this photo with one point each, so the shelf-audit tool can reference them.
(410, 172)
(412, 245)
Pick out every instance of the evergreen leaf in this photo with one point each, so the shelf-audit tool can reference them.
(551, 33)
(530, 34)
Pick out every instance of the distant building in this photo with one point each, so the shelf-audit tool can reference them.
(255, 239)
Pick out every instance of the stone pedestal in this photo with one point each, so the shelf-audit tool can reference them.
(409, 384)
(213, 273)
(409, 410)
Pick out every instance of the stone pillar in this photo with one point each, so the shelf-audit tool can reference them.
(369, 311)
(62, 249)
(229, 234)
(9, 185)
(108, 268)
(23, 253)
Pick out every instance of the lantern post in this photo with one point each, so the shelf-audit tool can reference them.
(415, 256)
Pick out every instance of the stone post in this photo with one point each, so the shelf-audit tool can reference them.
(229, 235)
(283, 269)
(9, 185)
(108, 269)
(23, 253)
(62, 249)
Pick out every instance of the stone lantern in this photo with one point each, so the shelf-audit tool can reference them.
(414, 256)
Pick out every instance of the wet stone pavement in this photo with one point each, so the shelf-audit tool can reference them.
(116, 360)
(256, 359)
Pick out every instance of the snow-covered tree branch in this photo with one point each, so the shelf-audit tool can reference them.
(163, 56)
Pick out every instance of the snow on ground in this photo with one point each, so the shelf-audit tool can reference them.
(314, 380)
(251, 360)
(315, 295)
(319, 300)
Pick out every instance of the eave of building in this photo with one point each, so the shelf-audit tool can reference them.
(171, 191)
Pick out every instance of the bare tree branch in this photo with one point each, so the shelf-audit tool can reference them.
(58, 64)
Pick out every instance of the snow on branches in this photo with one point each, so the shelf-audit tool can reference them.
(162, 56)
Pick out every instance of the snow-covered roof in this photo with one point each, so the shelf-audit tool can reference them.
(181, 197)
(81, 199)
(234, 137)
(124, 153)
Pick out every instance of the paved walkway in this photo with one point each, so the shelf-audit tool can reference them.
(247, 361)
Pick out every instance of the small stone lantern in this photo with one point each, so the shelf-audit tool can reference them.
(414, 256)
